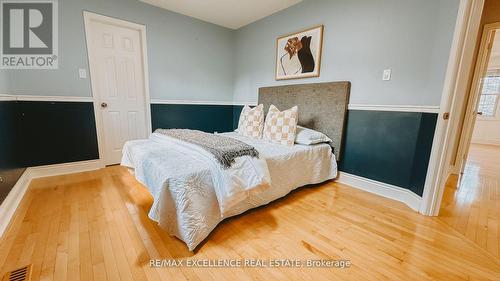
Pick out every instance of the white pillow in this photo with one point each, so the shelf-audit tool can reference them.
(309, 136)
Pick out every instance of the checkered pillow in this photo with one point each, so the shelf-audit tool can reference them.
(251, 121)
(281, 126)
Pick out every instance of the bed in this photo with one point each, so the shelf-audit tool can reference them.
(185, 183)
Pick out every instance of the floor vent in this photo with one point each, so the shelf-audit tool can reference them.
(20, 274)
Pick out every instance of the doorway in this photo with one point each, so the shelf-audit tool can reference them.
(118, 68)
(470, 200)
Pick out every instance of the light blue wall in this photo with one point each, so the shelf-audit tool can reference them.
(188, 59)
(193, 60)
(361, 39)
(3, 81)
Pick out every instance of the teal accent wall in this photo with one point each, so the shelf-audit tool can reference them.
(390, 147)
(236, 115)
(10, 169)
(7, 134)
(208, 118)
(43, 133)
(55, 132)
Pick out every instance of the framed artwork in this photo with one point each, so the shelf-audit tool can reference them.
(298, 55)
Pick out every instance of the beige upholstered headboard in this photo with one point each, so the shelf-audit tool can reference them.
(322, 106)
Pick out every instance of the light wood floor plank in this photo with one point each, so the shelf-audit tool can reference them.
(471, 204)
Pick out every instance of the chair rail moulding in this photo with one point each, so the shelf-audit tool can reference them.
(7, 97)
(399, 108)
(199, 102)
(57, 98)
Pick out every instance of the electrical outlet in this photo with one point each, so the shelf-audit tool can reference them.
(82, 73)
(387, 75)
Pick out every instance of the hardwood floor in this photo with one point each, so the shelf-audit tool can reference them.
(471, 205)
(94, 226)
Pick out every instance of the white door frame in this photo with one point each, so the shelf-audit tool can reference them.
(88, 18)
(473, 101)
(454, 94)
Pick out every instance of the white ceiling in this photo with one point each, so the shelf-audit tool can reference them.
(228, 13)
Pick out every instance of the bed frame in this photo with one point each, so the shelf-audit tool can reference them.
(322, 106)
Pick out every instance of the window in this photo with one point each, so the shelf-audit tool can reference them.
(489, 96)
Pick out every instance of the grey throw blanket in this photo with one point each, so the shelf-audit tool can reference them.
(224, 149)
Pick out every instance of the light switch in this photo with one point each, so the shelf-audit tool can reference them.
(387, 75)
(82, 72)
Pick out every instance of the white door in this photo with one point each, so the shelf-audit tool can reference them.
(117, 74)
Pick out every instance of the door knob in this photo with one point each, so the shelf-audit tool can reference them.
(104, 105)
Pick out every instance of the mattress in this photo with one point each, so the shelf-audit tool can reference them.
(185, 203)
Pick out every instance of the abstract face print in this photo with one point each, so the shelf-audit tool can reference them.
(293, 45)
(299, 54)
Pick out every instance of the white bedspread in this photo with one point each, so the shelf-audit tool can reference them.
(187, 187)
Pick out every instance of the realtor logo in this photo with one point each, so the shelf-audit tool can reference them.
(29, 34)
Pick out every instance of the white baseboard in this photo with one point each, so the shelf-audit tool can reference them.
(65, 168)
(383, 189)
(13, 199)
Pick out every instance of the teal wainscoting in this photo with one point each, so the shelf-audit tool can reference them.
(390, 147)
(10, 170)
(35, 133)
(208, 118)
